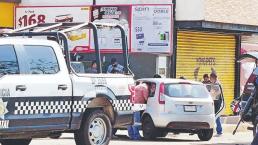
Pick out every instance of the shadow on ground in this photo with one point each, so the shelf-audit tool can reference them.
(227, 144)
(125, 138)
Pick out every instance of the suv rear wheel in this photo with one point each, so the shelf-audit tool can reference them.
(96, 129)
(16, 142)
(56, 136)
(205, 134)
(148, 128)
(161, 133)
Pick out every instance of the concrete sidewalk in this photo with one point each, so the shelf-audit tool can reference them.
(229, 123)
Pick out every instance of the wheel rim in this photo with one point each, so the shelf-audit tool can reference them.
(97, 131)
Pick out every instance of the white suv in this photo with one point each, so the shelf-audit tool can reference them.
(179, 106)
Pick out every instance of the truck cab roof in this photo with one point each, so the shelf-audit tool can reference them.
(26, 41)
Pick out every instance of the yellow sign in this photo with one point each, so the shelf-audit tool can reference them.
(7, 14)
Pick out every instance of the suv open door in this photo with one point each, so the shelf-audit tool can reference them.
(218, 98)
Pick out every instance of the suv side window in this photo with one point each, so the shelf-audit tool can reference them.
(41, 59)
(8, 60)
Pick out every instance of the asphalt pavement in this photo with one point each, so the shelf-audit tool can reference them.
(241, 138)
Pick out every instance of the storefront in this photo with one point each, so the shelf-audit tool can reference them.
(200, 52)
(7, 14)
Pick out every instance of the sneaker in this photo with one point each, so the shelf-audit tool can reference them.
(218, 135)
(137, 138)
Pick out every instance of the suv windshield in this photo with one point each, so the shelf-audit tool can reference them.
(186, 90)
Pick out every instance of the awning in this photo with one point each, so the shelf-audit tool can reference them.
(216, 26)
(11, 1)
(253, 55)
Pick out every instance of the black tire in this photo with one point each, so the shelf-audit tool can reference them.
(56, 136)
(102, 134)
(162, 133)
(16, 142)
(114, 131)
(255, 128)
(205, 134)
(148, 128)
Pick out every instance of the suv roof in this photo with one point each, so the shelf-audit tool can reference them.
(169, 80)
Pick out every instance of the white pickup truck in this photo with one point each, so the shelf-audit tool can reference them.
(41, 95)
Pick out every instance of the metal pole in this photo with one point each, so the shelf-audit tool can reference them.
(96, 45)
(124, 47)
(237, 66)
(173, 57)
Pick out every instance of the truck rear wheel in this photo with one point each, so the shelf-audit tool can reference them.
(96, 129)
(16, 142)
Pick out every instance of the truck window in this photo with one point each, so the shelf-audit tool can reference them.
(41, 59)
(8, 60)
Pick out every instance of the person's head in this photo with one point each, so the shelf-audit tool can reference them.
(182, 77)
(113, 61)
(213, 77)
(94, 64)
(206, 77)
(152, 88)
(156, 76)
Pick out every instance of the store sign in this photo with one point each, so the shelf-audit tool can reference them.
(206, 61)
(152, 28)
(110, 39)
(31, 15)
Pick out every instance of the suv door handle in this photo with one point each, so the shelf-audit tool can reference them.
(62, 87)
(21, 88)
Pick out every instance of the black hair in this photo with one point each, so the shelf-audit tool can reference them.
(113, 60)
(93, 62)
(205, 76)
(156, 76)
(182, 77)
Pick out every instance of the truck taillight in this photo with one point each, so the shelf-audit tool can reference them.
(161, 93)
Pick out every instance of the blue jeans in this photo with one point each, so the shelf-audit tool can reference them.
(218, 126)
(133, 130)
(255, 140)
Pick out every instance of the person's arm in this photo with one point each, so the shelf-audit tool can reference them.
(145, 92)
(110, 67)
(120, 68)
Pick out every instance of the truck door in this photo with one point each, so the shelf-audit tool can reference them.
(44, 89)
(9, 74)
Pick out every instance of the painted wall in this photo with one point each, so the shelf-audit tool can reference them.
(187, 10)
(232, 11)
(225, 11)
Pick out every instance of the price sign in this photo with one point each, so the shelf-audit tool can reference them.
(26, 20)
(26, 16)
(152, 28)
